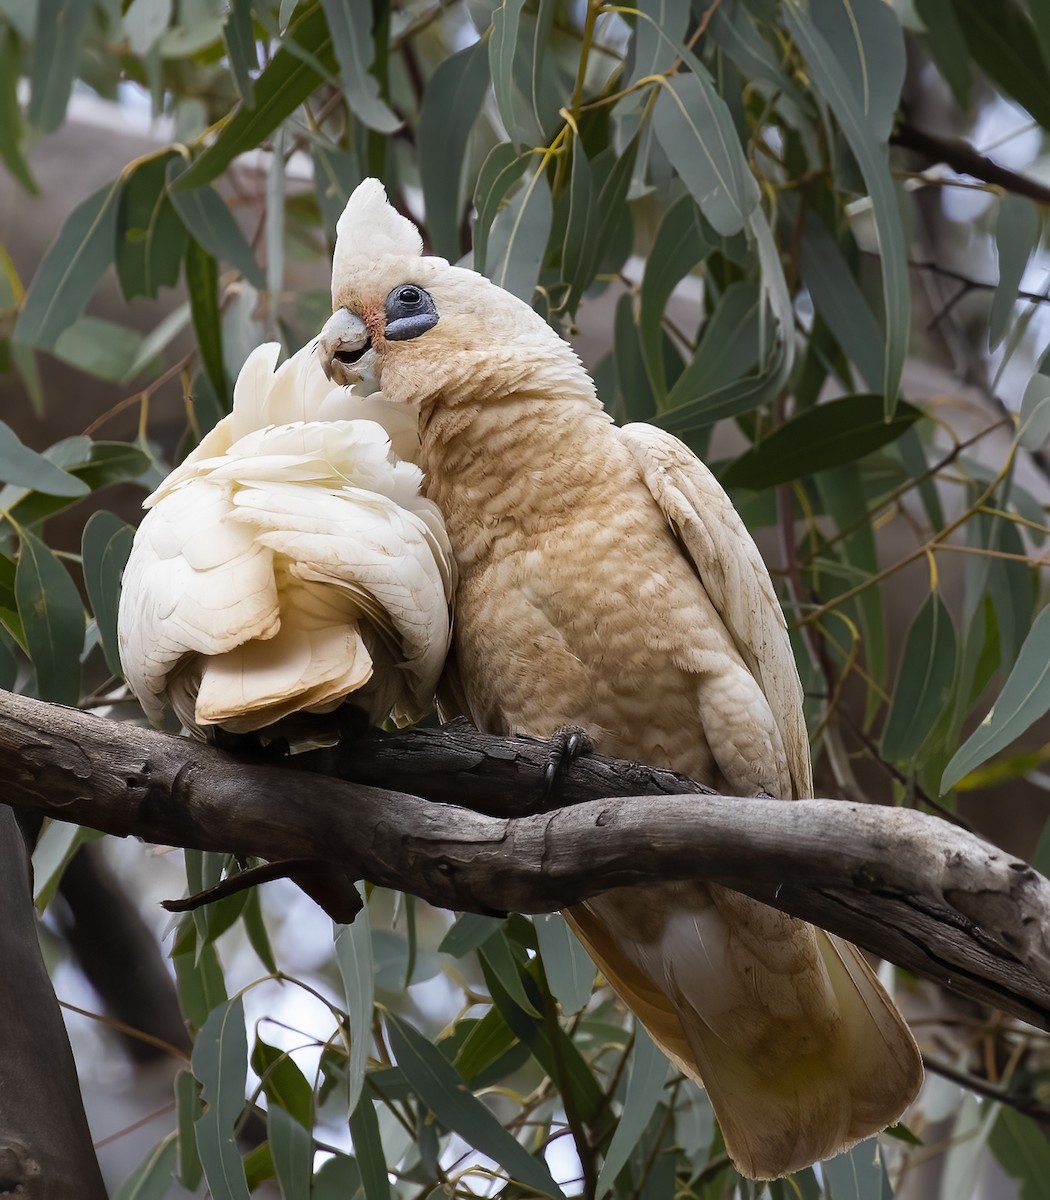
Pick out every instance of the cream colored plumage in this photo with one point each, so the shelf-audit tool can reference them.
(289, 562)
(605, 581)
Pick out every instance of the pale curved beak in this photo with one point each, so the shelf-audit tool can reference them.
(343, 342)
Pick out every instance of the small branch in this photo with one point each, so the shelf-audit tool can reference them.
(1030, 1106)
(905, 885)
(241, 882)
(962, 157)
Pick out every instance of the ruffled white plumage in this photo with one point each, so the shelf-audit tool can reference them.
(288, 562)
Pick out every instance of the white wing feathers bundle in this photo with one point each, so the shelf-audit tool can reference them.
(289, 562)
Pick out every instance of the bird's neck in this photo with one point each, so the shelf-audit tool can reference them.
(520, 449)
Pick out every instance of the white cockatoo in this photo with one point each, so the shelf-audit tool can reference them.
(290, 562)
(606, 582)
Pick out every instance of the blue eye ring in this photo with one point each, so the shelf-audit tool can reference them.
(410, 312)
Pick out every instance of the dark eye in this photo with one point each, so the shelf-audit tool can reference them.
(410, 312)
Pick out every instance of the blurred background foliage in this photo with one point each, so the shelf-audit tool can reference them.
(808, 238)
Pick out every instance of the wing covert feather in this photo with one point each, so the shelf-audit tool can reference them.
(735, 577)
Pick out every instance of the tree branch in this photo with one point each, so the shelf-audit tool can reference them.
(907, 886)
(963, 158)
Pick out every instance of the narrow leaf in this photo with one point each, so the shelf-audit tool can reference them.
(71, 269)
(205, 214)
(442, 1089)
(202, 283)
(646, 1073)
(831, 81)
(53, 619)
(1023, 1151)
(866, 39)
(55, 56)
(284, 1085)
(502, 53)
(826, 436)
(1024, 699)
(368, 1146)
(350, 23)
(353, 952)
(286, 82)
(220, 1060)
(837, 297)
(1004, 44)
(150, 239)
(238, 34)
(451, 104)
(924, 681)
(569, 968)
(696, 131)
(11, 131)
(1016, 237)
(499, 172)
(518, 239)
(681, 242)
(188, 1109)
(292, 1149)
(22, 466)
(151, 1179)
(496, 954)
(1034, 418)
(467, 933)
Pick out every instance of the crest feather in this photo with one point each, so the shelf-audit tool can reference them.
(372, 228)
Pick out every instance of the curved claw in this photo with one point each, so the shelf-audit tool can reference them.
(566, 745)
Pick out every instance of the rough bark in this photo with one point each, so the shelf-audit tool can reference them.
(910, 887)
(45, 1146)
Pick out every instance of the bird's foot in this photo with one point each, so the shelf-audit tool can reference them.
(566, 745)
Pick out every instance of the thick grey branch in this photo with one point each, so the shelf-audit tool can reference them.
(910, 887)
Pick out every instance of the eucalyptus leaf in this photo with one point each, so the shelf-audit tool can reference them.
(188, 1108)
(283, 1083)
(12, 134)
(1034, 418)
(56, 50)
(71, 269)
(832, 81)
(368, 1146)
(925, 680)
(1024, 699)
(350, 24)
(22, 466)
(569, 968)
(866, 39)
(646, 1074)
(696, 132)
(518, 238)
(239, 36)
(208, 219)
(292, 1149)
(151, 1179)
(291, 75)
(353, 953)
(838, 298)
(220, 1059)
(442, 1089)
(819, 438)
(53, 619)
(451, 104)
(1016, 236)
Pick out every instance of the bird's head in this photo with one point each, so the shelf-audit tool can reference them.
(426, 330)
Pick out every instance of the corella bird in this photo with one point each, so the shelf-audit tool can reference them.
(605, 581)
(289, 563)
